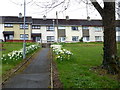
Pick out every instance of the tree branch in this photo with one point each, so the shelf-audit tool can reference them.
(97, 6)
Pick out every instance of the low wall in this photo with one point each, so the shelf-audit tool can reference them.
(19, 41)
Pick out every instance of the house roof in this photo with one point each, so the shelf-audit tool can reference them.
(62, 22)
(15, 19)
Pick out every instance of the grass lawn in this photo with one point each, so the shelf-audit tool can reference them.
(0, 70)
(7, 48)
(10, 46)
(78, 72)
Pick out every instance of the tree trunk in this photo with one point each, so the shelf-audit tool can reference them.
(110, 60)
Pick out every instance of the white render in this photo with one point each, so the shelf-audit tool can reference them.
(44, 31)
(1, 31)
(69, 33)
(94, 33)
(118, 35)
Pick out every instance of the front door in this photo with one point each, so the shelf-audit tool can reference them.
(62, 39)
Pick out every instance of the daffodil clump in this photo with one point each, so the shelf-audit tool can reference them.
(16, 56)
(62, 54)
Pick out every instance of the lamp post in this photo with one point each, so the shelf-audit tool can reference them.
(24, 46)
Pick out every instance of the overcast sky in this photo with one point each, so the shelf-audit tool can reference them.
(76, 10)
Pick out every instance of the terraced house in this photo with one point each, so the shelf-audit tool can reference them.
(52, 30)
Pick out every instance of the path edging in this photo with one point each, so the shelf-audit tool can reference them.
(51, 69)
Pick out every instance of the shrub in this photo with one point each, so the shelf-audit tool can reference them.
(62, 54)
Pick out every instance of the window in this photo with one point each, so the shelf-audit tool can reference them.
(62, 39)
(98, 38)
(85, 27)
(50, 28)
(8, 25)
(118, 29)
(37, 38)
(61, 27)
(22, 36)
(118, 38)
(98, 29)
(75, 38)
(86, 38)
(22, 26)
(50, 38)
(10, 37)
(35, 27)
(74, 28)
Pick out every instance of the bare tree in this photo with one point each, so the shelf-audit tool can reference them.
(110, 58)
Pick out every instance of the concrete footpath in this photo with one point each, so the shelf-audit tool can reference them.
(36, 75)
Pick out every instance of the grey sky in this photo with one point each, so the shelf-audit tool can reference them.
(76, 10)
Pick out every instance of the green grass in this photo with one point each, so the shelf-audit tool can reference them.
(0, 69)
(6, 68)
(77, 72)
(9, 47)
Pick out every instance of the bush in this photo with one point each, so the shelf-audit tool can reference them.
(81, 40)
(62, 54)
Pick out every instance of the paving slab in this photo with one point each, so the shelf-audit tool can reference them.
(36, 75)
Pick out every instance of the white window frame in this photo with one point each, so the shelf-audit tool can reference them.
(74, 28)
(75, 38)
(22, 26)
(50, 28)
(85, 27)
(86, 38)
(61, 27)
(36, 26)
(62, 39)
(118, 38)
(50, 38)
(22, 36)
(117, 29)
(98, 29)
(11, 37)
(8, 25)
(98, 38)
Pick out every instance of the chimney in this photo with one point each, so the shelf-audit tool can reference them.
(88, 18)
(44, 17)
(20, 15)
(67, 17)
